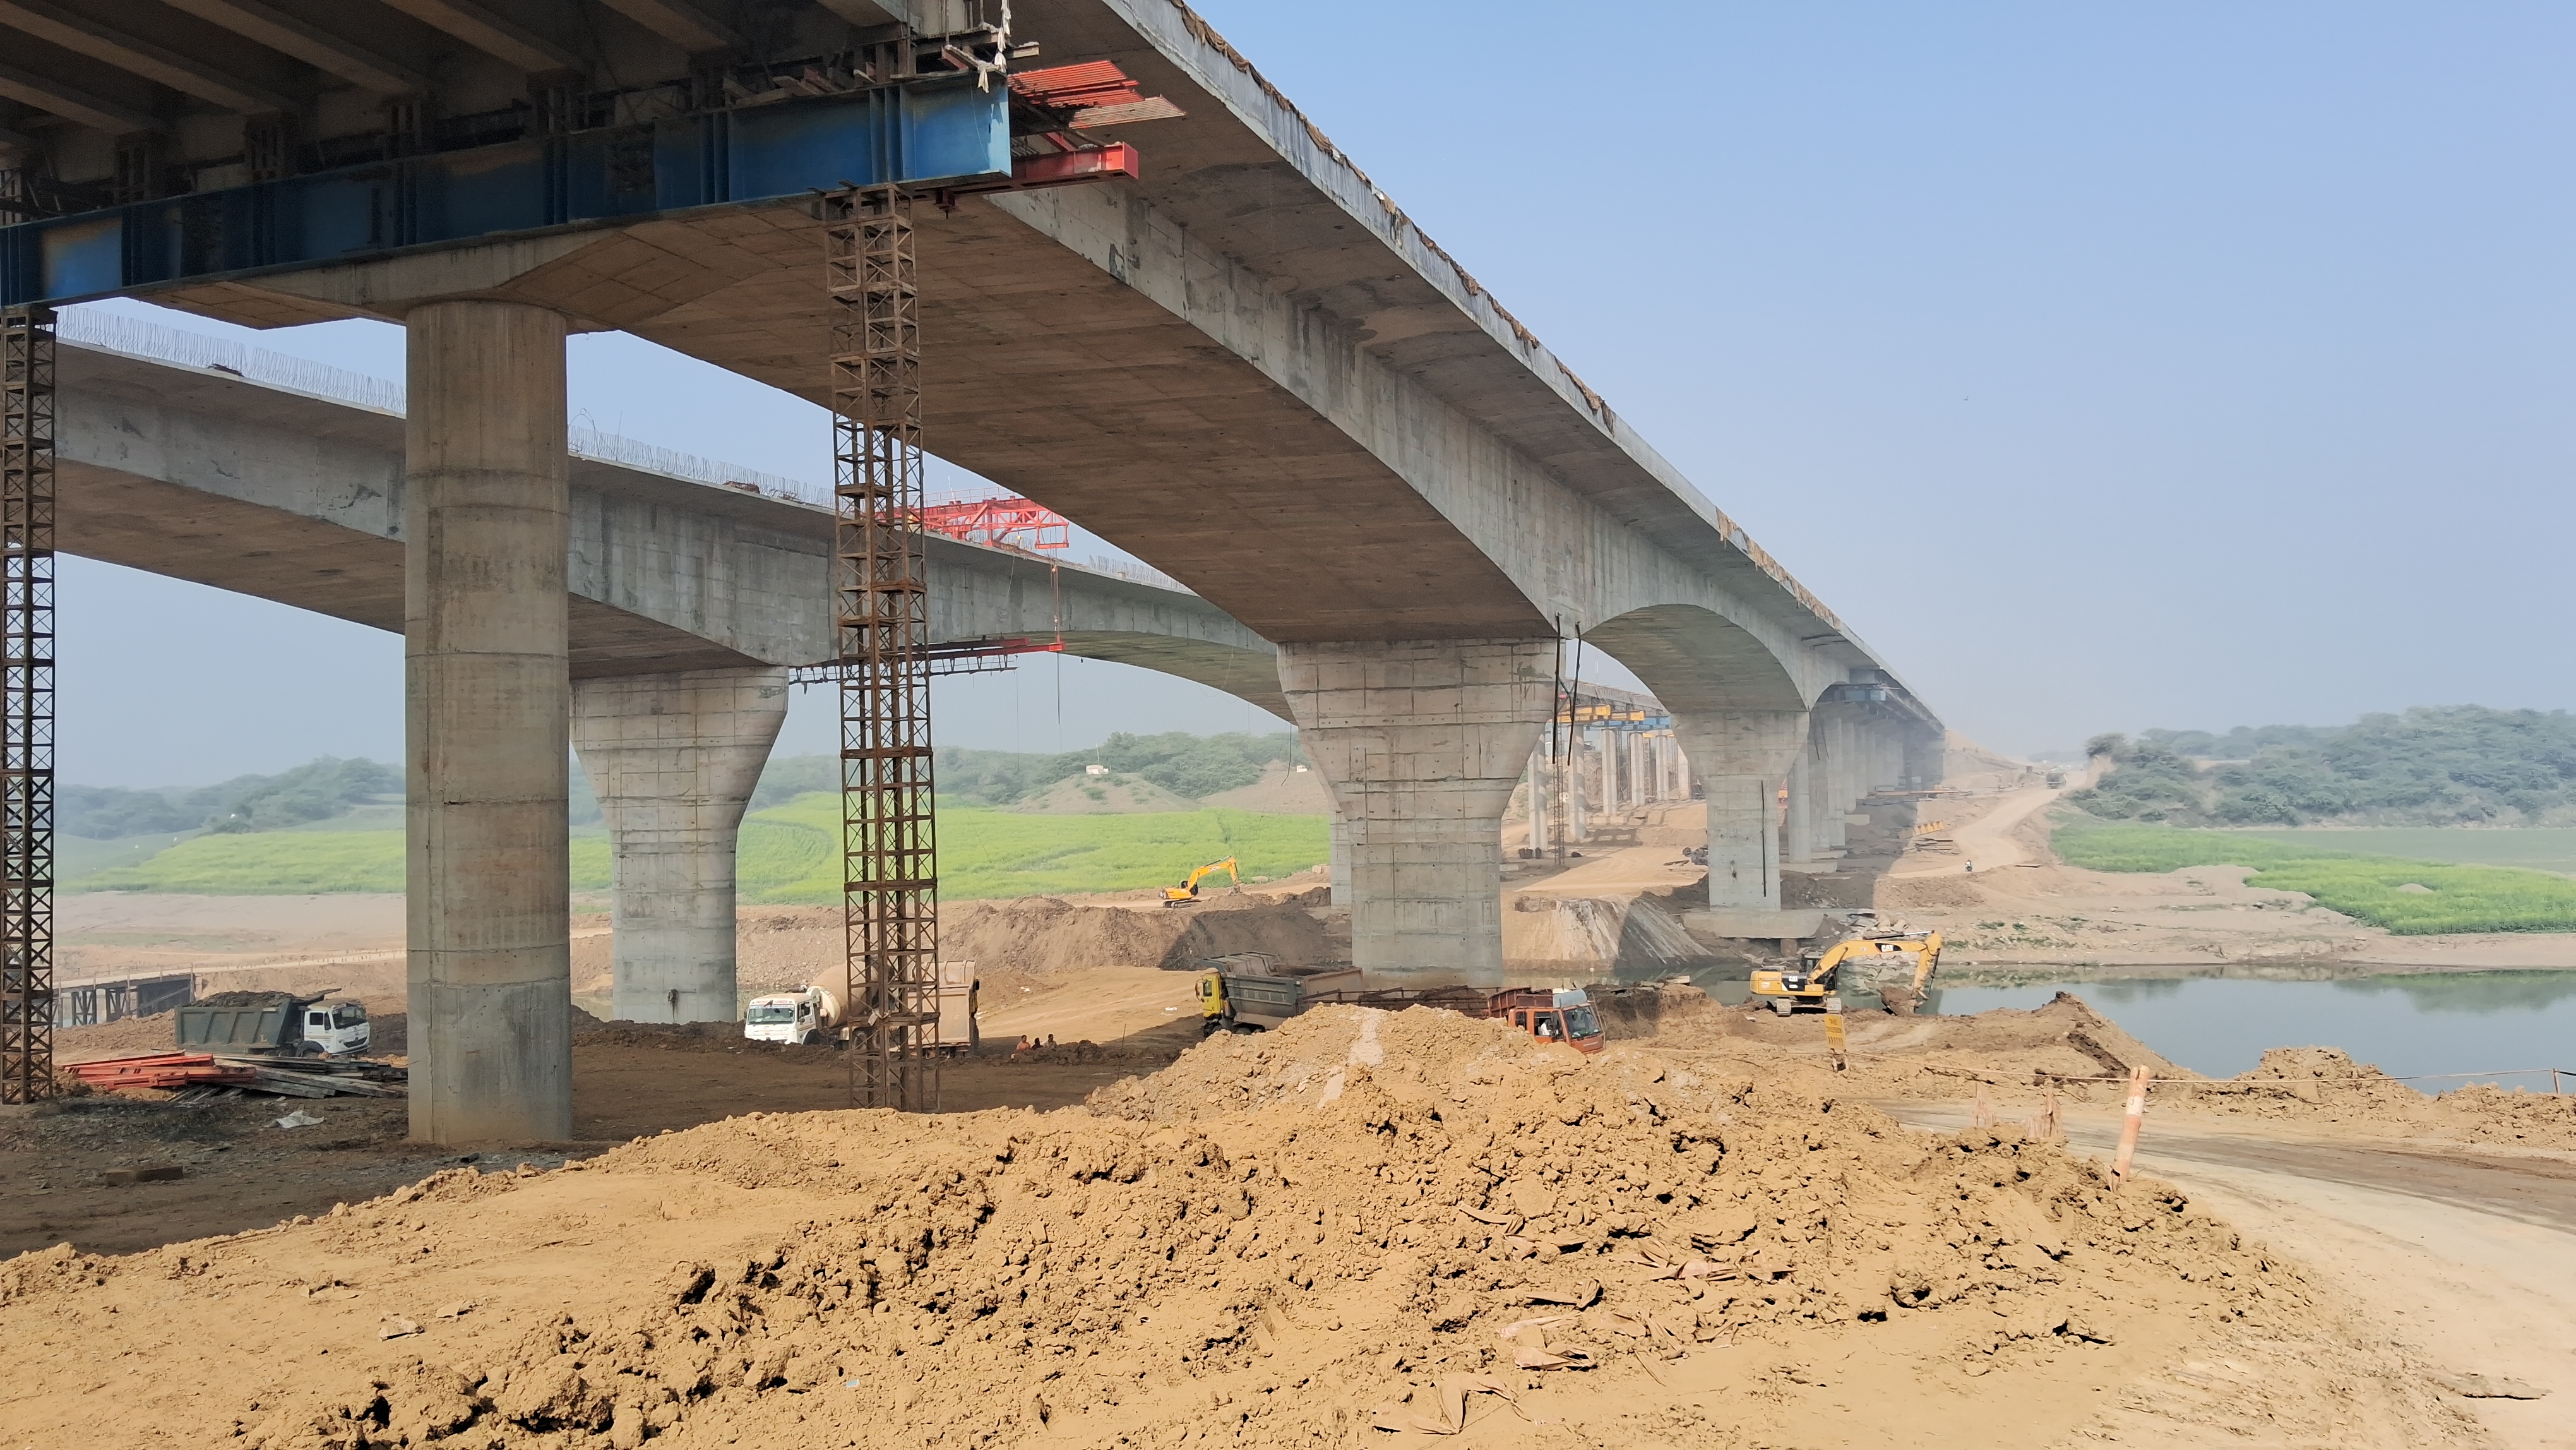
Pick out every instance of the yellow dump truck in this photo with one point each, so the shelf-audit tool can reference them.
(1870, 960)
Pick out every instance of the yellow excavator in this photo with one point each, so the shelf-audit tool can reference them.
(1188, 891)
(1902, 962)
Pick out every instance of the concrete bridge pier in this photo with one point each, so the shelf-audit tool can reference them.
(1421, 743)
(1802, 837)
(486, 524)
(1743, 757)
(674, 759)
(1925, 749)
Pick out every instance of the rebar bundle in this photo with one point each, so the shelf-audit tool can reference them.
(26, 705)
(888, 844)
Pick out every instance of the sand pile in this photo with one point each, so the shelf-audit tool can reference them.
(2063, 1043)
(1042, 934)
(2324, 1085)
(125, 1037)
(1406, 1222)
(788, 946)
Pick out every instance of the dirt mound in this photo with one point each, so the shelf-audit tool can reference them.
(2323, 1085)
(1102, 795)
(1922, 893)
(2062, 1044)
(589, 1031)
(246, 999)
(1283, 790)
(1408, 1220)
(1043, 934)
(125, 1037)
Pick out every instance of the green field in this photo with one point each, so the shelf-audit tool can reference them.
(2536, 848)
(787, 855)
(2458, 898)
(297, 863)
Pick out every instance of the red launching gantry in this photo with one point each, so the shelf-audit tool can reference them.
(1012, 522)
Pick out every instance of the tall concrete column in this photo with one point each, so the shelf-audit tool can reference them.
(1610, 773)
(1538, 837)
(1798, 841)
(1743, 756)
(1923, 757)
(1838, 786)
(1578, 817)
(1341, 861)
(1422, 743)
(486, 526)
(674, 760)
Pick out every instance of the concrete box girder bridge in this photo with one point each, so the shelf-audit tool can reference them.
(1234, 358)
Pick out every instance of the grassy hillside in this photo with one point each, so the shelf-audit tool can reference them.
(2455, 898)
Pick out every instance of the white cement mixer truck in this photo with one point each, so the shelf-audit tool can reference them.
(807, 1015)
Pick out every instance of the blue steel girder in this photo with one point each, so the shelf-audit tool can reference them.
(948, 131)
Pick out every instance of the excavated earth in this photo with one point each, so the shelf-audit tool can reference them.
(1365, 1228)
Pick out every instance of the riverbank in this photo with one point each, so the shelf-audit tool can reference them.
(2022, 914)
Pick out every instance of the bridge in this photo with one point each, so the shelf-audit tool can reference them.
(1228, 353)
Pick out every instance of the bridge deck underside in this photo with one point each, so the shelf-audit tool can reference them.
(1047, 374)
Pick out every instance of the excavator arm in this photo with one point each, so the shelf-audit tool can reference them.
(1188, 891)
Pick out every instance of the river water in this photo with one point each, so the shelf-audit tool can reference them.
(2410, 1025)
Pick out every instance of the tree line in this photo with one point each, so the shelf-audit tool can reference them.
(1184, 764)
(315, 791)
(2431, 765)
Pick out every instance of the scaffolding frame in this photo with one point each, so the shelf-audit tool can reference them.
(881, 595)
(26, 705)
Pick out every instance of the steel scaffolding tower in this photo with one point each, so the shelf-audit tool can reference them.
(26, 705)
(888, 845)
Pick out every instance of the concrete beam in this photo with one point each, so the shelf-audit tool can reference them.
(680, 23)
(204, 476)
(72, 103)
(492, 33)
(137, 56)
(291, 35)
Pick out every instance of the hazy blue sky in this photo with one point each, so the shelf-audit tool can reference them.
(2104, 367)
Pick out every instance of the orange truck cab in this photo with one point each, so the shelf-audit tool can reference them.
(1550, 1014)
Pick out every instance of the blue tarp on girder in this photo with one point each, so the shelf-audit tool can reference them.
(917, 135)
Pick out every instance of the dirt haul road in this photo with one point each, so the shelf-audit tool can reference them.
(2470, 1259)
(1363, 1228)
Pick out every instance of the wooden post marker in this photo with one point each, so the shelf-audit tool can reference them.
(2134, 1114)
(2044, 1126)
(1834, 1029)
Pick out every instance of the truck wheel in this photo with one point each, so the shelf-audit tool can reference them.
(1783, 1006)
(1211, 1026)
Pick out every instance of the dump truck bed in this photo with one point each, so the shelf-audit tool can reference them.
(244, 1027)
